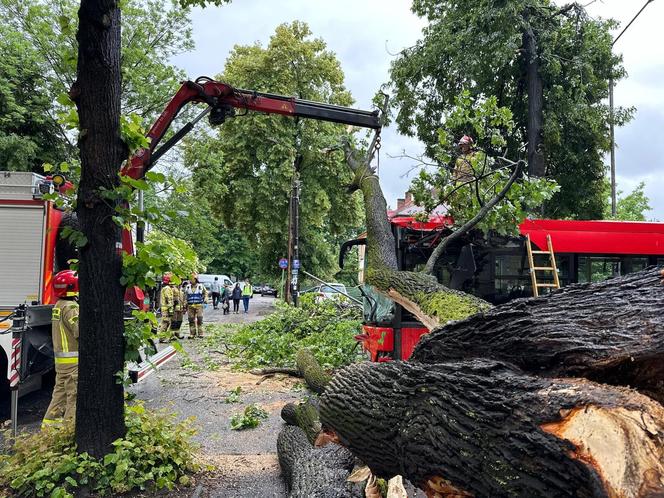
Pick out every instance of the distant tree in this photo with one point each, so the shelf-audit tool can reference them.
(39, 47)
(549, 65)
(630, 207)
(29, 132)
(245, 169)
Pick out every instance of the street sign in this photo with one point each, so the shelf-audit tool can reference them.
(283, 263)
(295, 271)
(296, 263)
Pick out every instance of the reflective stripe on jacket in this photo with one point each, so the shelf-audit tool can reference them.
(64, 331)
(195, 294)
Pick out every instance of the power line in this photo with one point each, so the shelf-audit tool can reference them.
(630, 22)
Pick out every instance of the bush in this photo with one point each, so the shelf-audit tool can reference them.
(155, 453)
(326, 328)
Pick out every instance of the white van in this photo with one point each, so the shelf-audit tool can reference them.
(206, 279)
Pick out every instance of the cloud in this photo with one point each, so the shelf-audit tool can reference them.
(364, 33)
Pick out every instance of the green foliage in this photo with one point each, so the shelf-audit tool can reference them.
(477, 45)
(245, 169)
(188, 216)
(631, 207)
(234, 395)
(490, 125)
(29, 136)
(325, 328)
(156, 453)
(161, 253)
(250, 418)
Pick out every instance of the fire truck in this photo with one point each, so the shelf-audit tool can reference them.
(33, 252)
(498, 268)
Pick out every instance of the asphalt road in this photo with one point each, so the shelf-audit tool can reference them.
(245, 461)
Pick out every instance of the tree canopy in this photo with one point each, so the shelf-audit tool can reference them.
(38, 39)
(245, 169)
(478, 45)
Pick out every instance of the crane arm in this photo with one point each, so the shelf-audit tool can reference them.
(221, 100)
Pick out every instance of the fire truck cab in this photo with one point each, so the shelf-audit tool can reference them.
(29, 228)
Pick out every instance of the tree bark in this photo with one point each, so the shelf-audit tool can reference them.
(484, 428)
(314, 472)
(610, 332)
(535, 91)
(100, 408)
(313, 374)
(433, 304)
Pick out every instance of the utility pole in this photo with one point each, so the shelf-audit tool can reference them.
(295, 265)
(612, 118)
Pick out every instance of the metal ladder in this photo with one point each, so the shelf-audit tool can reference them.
(534, 269)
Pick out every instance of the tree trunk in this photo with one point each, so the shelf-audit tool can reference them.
(433, 304)
(314, 472)
(535, 92)
(99, 414)
(610, 332)
(313, 374)
(484, 428)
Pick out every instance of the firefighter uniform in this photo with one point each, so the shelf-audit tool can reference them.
(178, 307)
(167, 307)
(196, 295)
(65, 346)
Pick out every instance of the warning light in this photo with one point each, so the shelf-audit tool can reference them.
(58, 180)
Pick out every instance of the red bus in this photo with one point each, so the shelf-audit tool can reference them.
(496, 267)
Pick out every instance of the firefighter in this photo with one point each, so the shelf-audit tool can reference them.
(463, 168)
(178, 307)
(196, 295)
(167, 306)
(64, 330)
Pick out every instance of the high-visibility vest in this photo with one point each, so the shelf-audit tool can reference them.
(247, 290)
(195, 294)
(64, 331)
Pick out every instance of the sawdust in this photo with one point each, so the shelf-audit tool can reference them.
(226, 379)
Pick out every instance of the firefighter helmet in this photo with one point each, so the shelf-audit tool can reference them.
(65, 284)
(466, 140)
(166, 279)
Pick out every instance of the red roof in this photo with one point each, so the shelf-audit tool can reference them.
(597, 237)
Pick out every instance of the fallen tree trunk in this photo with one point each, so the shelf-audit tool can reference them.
(305, 416)
(314, 375)
(314, 472)
(485, 428)
(610, 332)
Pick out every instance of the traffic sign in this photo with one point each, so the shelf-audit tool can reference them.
(296, 263)
(283, 263)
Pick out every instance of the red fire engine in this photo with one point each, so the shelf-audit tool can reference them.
(496, 268)
(33, 252)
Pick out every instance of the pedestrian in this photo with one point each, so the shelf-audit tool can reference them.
(225, 299)
(236, 295)
(247, 293)
(64, 331)
(215, 288)
(167, 306)
(196, 295)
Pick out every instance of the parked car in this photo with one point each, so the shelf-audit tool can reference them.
(268, 290)
(328, 291)
(258, 288)
(206, 279)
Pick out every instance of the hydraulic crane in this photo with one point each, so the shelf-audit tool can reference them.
(222, 100)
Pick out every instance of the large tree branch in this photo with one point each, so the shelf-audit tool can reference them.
(470, 224)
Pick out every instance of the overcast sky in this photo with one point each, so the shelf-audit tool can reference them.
(365, 33)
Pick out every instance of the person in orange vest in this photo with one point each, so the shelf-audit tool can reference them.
(64, 330)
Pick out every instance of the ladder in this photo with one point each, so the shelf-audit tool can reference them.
(534, 269)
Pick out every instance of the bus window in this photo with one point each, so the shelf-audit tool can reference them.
(632, 264)
(598, 268)
(511, 278)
